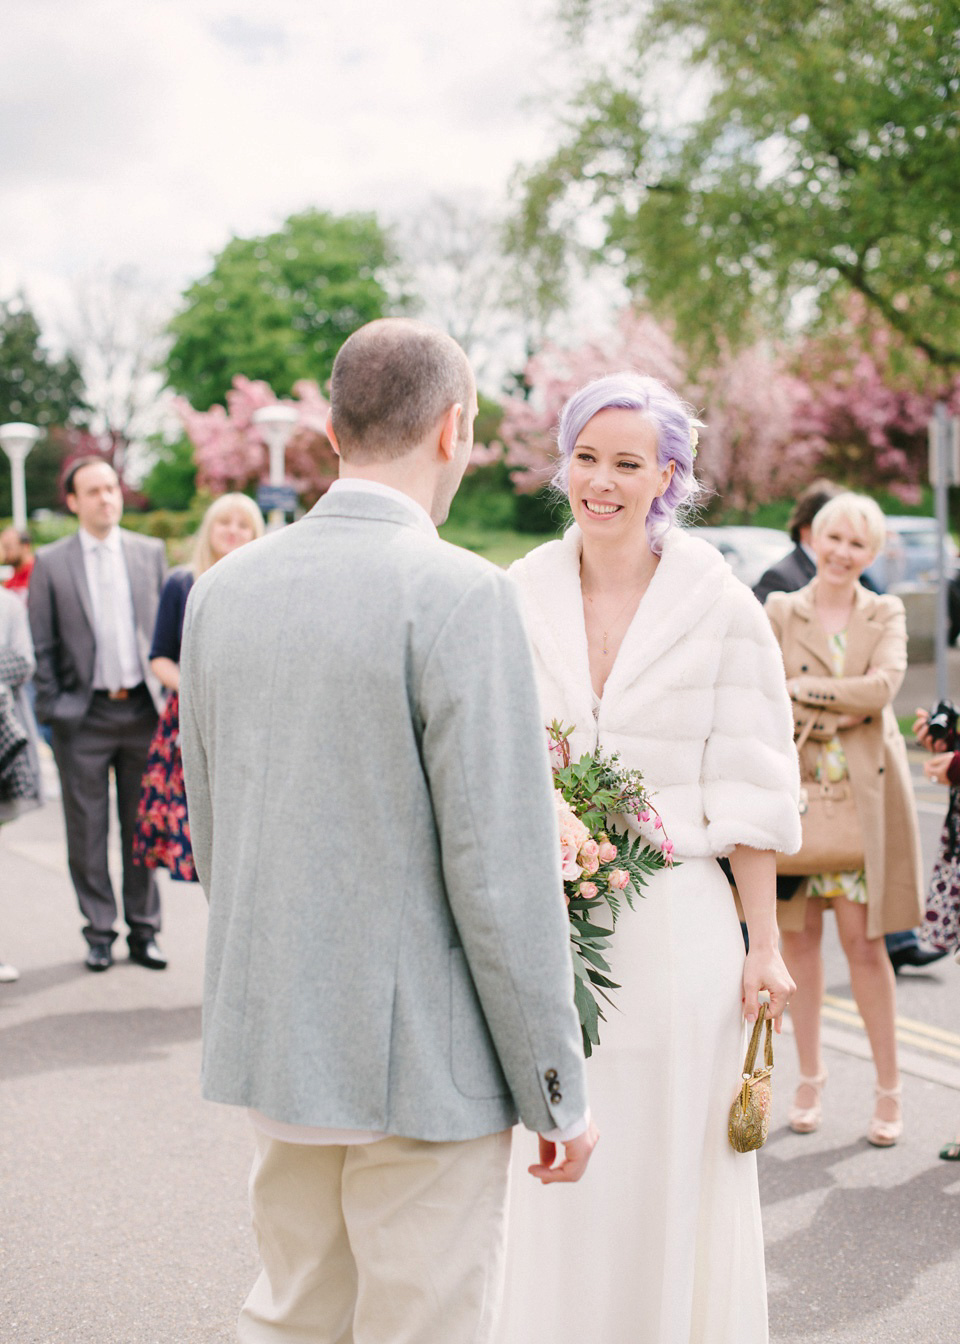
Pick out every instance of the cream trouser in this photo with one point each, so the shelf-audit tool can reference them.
(395, 1242)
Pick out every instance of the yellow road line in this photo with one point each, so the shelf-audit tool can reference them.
(924, 1042)
(904, 1037)
(909, 1031)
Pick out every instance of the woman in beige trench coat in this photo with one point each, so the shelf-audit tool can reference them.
(845, 654)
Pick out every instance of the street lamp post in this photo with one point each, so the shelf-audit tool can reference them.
(276, 423)
(17, 439)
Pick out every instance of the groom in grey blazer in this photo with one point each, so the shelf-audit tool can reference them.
(93, 603)
(388, 977)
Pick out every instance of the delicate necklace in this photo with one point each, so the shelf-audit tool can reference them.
(612, 625)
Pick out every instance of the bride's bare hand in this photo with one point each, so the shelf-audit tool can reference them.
(764, 968)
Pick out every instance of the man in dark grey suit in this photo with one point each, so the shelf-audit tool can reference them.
(797, 568)
(93, 603)
(388, 978)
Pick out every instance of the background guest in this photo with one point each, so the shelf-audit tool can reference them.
(941, 925)
(16, 549)
(845, 654)
(20, 784)
(162, 838)
(93, 605)
(797, 568)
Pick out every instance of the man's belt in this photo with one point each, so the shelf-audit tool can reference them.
(124, 693)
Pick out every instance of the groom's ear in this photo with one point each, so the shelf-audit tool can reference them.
(449, 427)
(328, 430)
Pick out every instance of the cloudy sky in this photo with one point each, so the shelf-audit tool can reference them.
(146, 132)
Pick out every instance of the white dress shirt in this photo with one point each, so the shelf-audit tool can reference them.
(277, 1129)
(130, 665)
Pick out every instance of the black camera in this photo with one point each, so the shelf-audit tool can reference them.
(942, 724)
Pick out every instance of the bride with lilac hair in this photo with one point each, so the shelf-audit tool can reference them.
(646, 643)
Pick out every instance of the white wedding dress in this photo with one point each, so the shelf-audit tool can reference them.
(661, 1241)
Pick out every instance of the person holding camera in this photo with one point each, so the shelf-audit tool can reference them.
(845, 654)
(937, 731)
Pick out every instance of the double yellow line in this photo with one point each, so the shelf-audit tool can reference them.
(909, 1032)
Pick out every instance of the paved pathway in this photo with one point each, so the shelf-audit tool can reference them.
(122, 1196)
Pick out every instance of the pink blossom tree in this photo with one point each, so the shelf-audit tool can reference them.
(867, 399)
(749, 452)
(230, 453)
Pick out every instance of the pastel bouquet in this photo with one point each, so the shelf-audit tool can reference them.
(603, 863)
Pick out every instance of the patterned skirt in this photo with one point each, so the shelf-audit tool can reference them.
(162, 837)
(941, 926)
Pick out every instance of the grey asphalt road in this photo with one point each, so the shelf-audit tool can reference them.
(123, 1214)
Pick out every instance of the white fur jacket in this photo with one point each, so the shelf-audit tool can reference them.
(696, 700)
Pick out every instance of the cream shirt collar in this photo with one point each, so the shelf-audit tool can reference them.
(354, 483)
(90, 543)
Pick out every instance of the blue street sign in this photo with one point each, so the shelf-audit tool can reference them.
(271, 497)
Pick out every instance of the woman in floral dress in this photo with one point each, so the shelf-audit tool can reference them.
(162, 837)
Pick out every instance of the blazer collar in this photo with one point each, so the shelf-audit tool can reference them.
(366, 506)
(686, 584)
(862, 630)
(78, 572)
(142, 589)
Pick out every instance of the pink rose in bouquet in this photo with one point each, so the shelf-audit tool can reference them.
(573, 836)
(589, 857)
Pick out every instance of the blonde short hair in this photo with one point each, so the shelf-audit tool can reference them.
(859, 511)
(203, 556)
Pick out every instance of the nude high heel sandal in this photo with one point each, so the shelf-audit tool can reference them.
(884, 1133)
(804, 1120)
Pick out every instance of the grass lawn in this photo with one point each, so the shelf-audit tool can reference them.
(500, 545)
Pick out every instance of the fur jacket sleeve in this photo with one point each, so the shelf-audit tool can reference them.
(696, 699)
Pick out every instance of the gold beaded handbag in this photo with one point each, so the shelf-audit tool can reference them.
(750, 1112)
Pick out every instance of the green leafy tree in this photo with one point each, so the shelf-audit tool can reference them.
(42, 390)
(277, 308)
(824, 162)
(171, 482)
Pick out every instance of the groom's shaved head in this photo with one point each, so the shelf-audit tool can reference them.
(392, 382)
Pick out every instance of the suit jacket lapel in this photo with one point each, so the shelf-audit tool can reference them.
(138, 588)
(811, 635)
(862, 634)
(78, 572)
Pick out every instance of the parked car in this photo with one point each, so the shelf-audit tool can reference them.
(910, 554)
(749, 551)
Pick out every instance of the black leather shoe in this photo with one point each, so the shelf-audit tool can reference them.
(915, 954)
(99, 957)
(146, 953)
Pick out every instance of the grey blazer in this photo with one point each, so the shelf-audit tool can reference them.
(61, 621)
(372, 820)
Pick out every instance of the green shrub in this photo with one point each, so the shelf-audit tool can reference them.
(172, 480)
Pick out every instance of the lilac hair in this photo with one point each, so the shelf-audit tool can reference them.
(673, 421)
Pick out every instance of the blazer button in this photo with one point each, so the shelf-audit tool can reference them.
(556, 1096)
(551, 1075)
(804, 668)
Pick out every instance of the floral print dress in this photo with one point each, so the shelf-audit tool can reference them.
(832, 767)
(162, 836)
